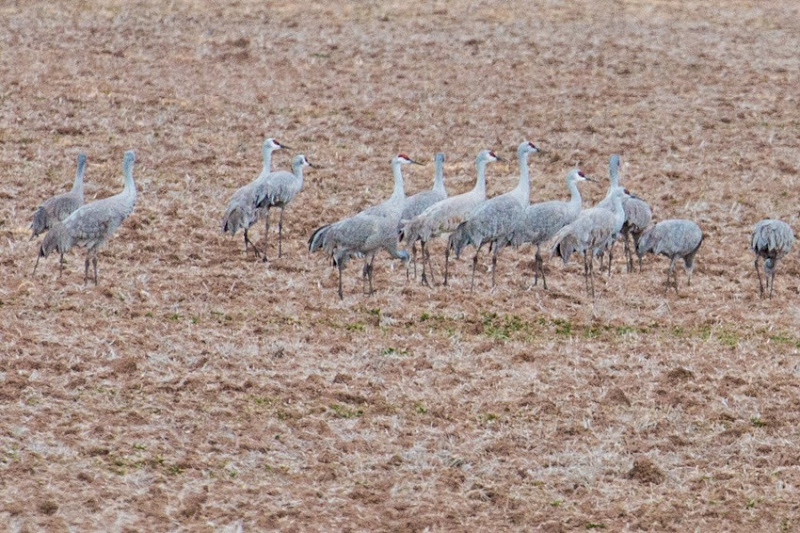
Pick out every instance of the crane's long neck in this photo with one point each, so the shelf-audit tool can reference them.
(398, 194)
(619, 211)
(297, 170)
(438, 177)
(575, 195)
(523, 190)
(78, 185)
(266, 151)
(614, 178)
(127, 171)
(480, 184)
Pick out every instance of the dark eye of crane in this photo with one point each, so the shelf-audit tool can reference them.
(581, 174)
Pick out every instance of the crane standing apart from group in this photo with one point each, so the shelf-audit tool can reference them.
(92, 224)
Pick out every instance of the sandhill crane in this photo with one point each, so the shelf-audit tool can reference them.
(419, 202)
(592, 231)
(57, 208)
(771, 240)
(92, 224)
(637, 217)
(280, 188)
(241, 211)
(676, 238)
(495, 218)
(445, 216)
(540, 222)
(366, 233)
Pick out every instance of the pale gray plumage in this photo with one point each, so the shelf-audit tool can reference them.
(493, 220)
(57, 208)
(445, 216)
(593, 231)
(241, 211)
(418, 203)
(366, 233)
(541, 221)
(280, 188)
(771, 240)
(637, 216)
(91, 225)
(675, 239)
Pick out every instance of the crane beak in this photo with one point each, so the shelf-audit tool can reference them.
(284, 146)
(587, 178)
(416, 162)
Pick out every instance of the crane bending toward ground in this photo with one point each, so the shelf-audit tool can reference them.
(280, 188)
(593, 231)
(771, 240)
(365, 234)
(57, 208)
(541, 221)
(445, 216)
(638, 216)
(241, 211)
(92, 224)
(418, 203)
(493, 220)
(675, 239)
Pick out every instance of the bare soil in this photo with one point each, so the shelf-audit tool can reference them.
(197, 389)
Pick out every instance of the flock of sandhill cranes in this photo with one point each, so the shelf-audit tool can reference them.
(469, 218)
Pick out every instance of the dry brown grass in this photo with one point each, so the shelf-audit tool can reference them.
(197, 389)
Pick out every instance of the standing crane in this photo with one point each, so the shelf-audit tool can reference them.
(493, 220)
(675, 239)
(280, 188)
(541, 221)
(771, 240)
(637, 217)
(92, 224)
(57, 208)
(241, 211)
(594, 230)
(445, 216)
(366, 233)
(418, 203)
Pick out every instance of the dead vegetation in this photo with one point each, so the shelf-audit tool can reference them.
(196, 388)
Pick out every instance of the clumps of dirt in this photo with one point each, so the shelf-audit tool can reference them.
(616, 397)
(645, 471)
(679, 374)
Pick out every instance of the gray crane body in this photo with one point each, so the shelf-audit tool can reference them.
(280, 188)
(418, 203)
(493, 221)
(241, 212)
(541, 221)
(771, 240)
(445, 216)
(638, 216)
(591, 232)
(91, 225)
(367, 233)
(675, 239)
(59, 207)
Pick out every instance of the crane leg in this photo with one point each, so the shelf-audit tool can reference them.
(36, 264)
(60, 264)
(427, 255)
(591, 274)
(94, 264)
(86, 269)
(636, 248)
(474, 266)
(760, 283)
(414, 260)
(671, 272)
(494, 263)
(369, 273)
(628, 256)
(446, 264)
(610, 259)
(248, 241)
(280, 233)
(539, 265)
(771, 282)
(585, 272)
(340, 282)
(425, 258)
(266, 236)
